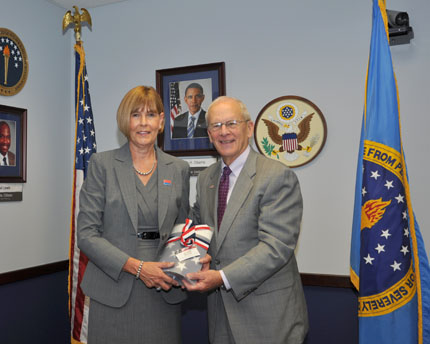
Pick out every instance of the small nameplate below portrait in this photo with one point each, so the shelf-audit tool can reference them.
(10, 192)
(199, 164)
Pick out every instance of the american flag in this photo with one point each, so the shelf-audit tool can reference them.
(175, 103)
(187, 240)
(85, 144)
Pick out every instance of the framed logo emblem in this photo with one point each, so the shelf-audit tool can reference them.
(290, 129)
(13, 63)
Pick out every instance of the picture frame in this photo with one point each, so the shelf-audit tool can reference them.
(13, 144)
(290, 129)
(173, 85)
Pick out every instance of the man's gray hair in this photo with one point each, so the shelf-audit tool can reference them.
(243, 110)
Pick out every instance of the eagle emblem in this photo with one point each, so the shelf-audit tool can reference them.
(289, 131)
(76, 19)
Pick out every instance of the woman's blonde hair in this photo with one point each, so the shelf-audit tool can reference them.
(135, 99)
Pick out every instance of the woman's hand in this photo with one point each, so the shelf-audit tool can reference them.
(151, 273)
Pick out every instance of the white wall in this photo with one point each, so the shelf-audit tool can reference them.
(35, 231)
(314, 49)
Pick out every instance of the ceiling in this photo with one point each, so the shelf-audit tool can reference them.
(68, 4)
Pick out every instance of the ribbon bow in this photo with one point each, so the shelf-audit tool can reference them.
(189, 236)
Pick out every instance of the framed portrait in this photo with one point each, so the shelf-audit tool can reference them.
(13, 144)
(290, 129)
(186, 93)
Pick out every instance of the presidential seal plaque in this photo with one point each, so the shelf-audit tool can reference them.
(13, 63)
(290, 129)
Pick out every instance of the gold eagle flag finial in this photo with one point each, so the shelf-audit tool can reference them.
(76, 19)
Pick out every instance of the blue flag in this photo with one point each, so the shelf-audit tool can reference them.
(389, 265)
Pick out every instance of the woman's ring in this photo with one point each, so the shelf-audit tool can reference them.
(158, 288)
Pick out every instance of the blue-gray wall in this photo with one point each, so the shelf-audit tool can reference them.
(314, 49)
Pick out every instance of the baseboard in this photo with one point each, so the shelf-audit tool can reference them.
(36, 271)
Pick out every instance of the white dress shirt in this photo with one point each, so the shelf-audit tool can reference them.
(196, 116)
(2, 160)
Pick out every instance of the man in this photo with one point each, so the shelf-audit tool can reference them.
(255, 291)
(191, 123)
(6, 158)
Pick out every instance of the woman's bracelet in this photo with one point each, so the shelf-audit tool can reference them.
(139, 269)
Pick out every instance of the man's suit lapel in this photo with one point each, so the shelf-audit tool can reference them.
(126, 179)
(11, 158)
(238, 196)
(201, 123)
(165, 186)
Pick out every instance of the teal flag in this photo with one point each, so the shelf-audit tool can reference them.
(389, 265)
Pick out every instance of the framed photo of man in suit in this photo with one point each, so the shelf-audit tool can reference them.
(187, 93)
(13, 144)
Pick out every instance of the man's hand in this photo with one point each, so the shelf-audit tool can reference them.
(205, 280)
(206, 261)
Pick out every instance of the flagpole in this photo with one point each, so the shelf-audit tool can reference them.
(85, 145)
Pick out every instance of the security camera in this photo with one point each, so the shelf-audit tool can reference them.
(398, 27)
(397, 18)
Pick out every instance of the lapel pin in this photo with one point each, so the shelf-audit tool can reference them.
(167, 182)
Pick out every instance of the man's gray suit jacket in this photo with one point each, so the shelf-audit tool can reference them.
(254, 247)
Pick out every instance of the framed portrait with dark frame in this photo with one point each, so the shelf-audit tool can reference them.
(186, 93)
(13, 144)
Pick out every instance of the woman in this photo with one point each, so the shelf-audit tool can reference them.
(130, 201)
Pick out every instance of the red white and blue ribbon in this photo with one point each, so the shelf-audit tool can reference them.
(188, 235)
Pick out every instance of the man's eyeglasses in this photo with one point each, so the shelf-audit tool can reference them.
(232, 124)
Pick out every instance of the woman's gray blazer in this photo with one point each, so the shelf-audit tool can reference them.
(107, 220)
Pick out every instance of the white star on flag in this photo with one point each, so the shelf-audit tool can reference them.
(386, 233)
(396, 266)
(368, 259)
(404, 250)
(180, 266)
(375, 174)
(399, 198)
(380, 248)
(389, 184)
